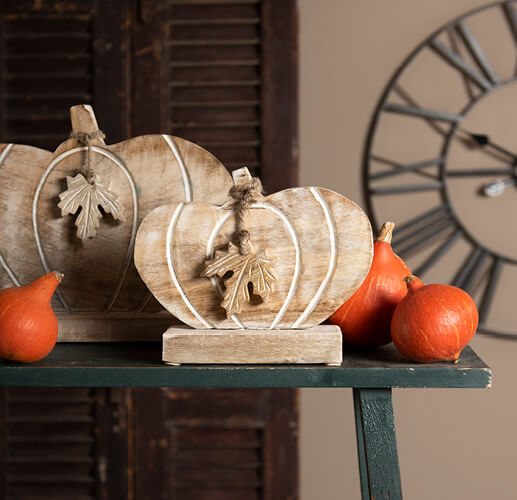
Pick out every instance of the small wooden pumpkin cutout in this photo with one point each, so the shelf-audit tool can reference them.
(37, 235)
(320, 241)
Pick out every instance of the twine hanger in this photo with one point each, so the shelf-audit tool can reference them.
(243, 195)
(86, 139)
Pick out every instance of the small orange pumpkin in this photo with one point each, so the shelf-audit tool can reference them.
(433, 322)
(28, 325)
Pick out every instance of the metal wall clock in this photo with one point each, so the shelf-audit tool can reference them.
(441, 159)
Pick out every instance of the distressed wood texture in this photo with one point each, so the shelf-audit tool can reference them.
(141, 365)
(320, 240)
(100, 282)
(318, 345)
(64, 443)
(198, 444)
(377, 444)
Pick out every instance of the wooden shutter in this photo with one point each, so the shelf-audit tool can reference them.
(216, 444)
(63, 443)
(55, 54)
(222, 74)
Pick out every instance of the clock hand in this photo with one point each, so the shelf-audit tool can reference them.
(483, 140)
(497, 187)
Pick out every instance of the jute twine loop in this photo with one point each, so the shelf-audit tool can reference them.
(86, 139)
(243, 196)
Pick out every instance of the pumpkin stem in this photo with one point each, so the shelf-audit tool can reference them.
(59, 276)
(413, 282)
(45, 286)
(386, 232)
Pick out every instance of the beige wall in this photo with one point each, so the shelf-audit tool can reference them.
(453, 444)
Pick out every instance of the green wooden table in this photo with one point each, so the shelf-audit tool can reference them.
(372, 376)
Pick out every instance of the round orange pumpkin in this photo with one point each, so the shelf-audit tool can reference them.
(433, 322)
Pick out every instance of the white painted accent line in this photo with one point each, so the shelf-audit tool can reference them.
(170, 237)
(3, 262)
(332, 260)
(115, 159)
(134, 228)
(9, 271)
(298, 263)
(210, 255)
(184, 172)
(5, 152)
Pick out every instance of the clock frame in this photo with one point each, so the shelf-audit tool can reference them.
(434, 230)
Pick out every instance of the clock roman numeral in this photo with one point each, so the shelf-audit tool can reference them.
(415, 234)
(458, 63)
(403, 94)
(469, 273)
(470, 269)
(410, 188)
(439, 252)
(422, 113)
(398, 169)
(511, 17)
(489, 292)
(476, 52)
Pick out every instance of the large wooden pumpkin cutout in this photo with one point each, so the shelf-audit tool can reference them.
(101, 297)
(320, 242)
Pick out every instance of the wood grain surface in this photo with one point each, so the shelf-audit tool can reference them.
(144, 172)
(318, 345)
(320, 240)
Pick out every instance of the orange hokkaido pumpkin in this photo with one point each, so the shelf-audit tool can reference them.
(365, 317)
(433, 322)
(28, 325)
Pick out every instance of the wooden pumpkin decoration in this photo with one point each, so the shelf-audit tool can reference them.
(316, 248)
(77, 210)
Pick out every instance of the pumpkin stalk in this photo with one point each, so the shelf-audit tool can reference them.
(413, 282)
(44, 286)
(386, 232)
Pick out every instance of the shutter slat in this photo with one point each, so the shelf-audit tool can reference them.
(213, 43)
(216, 125)
(214, 104)
(54, 459)
(210, 64)
(215, 22)
(232, 458)
(218, 494)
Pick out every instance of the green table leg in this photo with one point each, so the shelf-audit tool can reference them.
(377, 445)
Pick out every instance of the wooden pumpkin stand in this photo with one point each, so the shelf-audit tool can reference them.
(307, 251)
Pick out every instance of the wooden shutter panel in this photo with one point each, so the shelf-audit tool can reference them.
(60, 444)
(55, 54)
(227, 80)
(199, 444)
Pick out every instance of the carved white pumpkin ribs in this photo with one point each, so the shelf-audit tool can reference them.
(320, 241)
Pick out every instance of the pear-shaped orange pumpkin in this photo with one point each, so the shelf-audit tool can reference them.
(28, 325)
(365, 317)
